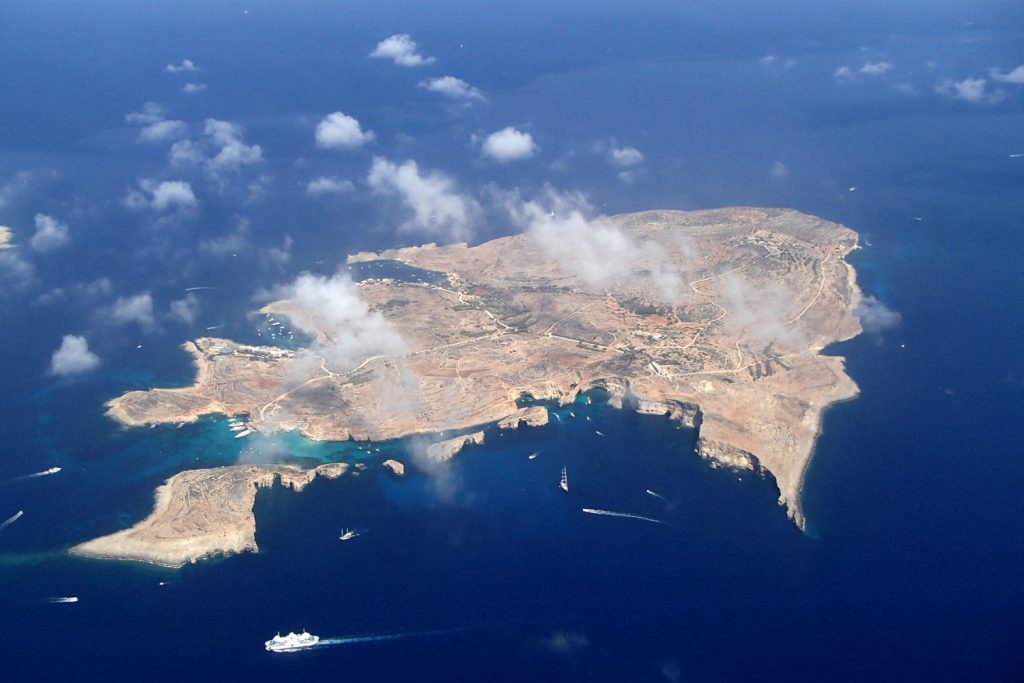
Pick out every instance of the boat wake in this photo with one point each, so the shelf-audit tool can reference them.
(12, 519)
(626, 515)
(34, 475)
(59, 601)
(380, 637)
(44, 473)
(657, 495)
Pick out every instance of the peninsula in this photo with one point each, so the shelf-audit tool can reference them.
(735, 353)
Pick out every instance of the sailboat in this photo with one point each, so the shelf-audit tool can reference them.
(564, 484)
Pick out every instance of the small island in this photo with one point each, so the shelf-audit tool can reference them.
(738, 357)
(202, 513)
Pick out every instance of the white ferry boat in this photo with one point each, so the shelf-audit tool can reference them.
(292, 642)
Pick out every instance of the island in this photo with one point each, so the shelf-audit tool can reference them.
(719, 326)
(202, 513)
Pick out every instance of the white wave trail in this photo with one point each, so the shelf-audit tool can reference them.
(12, 519)
(58, 601)
(376, 638)
(44, 473)
(627, 515)
(657, 495)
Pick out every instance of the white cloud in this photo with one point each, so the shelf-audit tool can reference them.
(626, 156)
(232, 243)
(192, 88)
(220, 151)
(185, 66)
(879, 68)
(345, 329)
(186, 310)
(137, 309)
(453, 87)
(101, 287)
(232, 152)
(278, 256)
(11, 189)
(1014, 76)
(594, 248)
(401, 49)
(342, 131)
(73, 357)
(15, 271)
(509, 144)
(973, 90)
(875, 316)
(843, 73)
(761, 313)
(50, 234)
(566, 642)
(154, 126)
(162, 196)
(776, 61)
(163, 131)
(325, 185)
(779, 171)
(437, 208)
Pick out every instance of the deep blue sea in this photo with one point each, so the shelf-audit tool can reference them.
(911, 565)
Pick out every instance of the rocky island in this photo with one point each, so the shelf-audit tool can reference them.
(716, 319)
(202, 513)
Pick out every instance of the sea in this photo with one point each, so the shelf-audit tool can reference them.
(910, 566)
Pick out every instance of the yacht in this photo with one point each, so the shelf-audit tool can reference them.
(292, 642)
(564, 484)
(348, 534)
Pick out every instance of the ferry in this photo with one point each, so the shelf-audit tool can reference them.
(564, 483)
(348, 534)
(292, 642)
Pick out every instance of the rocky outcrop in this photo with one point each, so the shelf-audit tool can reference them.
(442, 451)
(397, 468)
(531, 416)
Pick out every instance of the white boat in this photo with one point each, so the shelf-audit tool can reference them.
(237, 428)
(534, 455)
(244, 432)
(348, 534)
(572, 414)
(564, 483)
(52, 470)
(599, 432)
(292, 642)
